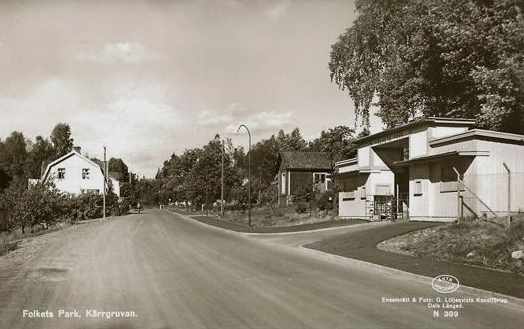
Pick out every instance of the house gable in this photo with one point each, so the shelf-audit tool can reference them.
(64, 158)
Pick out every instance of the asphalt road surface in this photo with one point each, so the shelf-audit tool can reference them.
(172, 272)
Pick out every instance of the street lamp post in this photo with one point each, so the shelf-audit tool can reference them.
(248, 175)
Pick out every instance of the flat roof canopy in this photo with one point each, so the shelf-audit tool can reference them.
(429, 121)
(441, 156)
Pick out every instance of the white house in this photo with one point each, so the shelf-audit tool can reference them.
(409, 171)
(73, 173)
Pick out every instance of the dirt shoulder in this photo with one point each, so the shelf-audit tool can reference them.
(28, 248)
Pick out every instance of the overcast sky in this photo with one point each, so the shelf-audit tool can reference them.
(150, 79)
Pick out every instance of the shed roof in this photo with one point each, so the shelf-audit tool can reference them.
(305, 160)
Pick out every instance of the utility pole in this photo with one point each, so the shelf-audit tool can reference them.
(104, 189)
(222, 184)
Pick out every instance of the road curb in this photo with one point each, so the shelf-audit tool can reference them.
(186, 217)
(371, 224)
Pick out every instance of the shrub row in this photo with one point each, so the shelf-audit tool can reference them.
(43, 204)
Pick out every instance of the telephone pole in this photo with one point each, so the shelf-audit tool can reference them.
(222, 184)
(104, 189)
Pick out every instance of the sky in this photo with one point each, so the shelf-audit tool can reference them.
(147, 79)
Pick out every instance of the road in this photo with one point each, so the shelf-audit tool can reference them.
(173, 272)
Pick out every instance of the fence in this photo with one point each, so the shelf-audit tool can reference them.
(492, 195)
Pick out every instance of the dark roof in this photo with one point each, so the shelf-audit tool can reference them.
(304, 160)
(115, 174)
(100, 163)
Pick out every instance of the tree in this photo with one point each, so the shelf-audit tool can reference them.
(335, 141)
(4, 179)
(41, 153)
(4, 175)
(291, 142)
(435, 58)
(118, 165)
(264, 156)
(13, 157)
(61, 139)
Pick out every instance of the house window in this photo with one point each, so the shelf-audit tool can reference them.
(61, 173)
(319, 178)
(88, 191)
(417, 187)
(283, 183)
(85, 173)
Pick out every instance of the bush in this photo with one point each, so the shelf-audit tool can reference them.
(304, 193)
(29, 207)
(42, 203)
(324, 202)
(301, 208)
(124, 206)
(268, 196)
(235, 207)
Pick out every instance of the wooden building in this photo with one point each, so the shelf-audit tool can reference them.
(409, 171)
(298, 169)
(75, 174)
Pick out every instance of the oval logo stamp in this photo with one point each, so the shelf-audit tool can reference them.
(445, 283)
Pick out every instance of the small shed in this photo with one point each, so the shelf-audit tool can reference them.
(296, 169)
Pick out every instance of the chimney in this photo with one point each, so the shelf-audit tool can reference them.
(77, 149)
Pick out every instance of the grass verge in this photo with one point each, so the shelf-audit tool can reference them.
(265, 216)
(276, 229)
(476, 243)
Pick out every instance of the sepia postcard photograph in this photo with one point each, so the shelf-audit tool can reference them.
(266, 164)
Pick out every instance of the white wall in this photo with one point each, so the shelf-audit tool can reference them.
(352, 208)
(363, 156)
(422, 207)
(356, 207)
(115, 185)
(377, 161)
(346, 168)
(489, 178)
(418, 143)
(438, 132)
(382, 177)
(73, 182)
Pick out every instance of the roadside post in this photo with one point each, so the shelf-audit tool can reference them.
(459, 198)
(509, 193)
